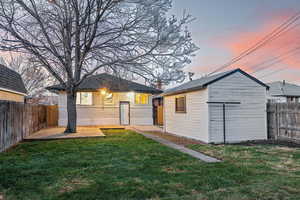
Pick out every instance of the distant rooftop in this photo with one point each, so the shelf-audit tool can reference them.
(282, 88)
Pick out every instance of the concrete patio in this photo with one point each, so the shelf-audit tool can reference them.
(55, 133)
(58, 133)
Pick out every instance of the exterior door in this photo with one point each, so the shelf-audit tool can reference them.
(124, 113)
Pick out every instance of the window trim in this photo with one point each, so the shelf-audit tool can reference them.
(180, 111)
(79, 95)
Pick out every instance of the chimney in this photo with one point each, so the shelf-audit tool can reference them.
(283, 82)
(191, 74)
(159, 84)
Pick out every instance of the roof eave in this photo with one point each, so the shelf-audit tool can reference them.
(12, 91)
(56, 90)
(241, 71)
(184, 91)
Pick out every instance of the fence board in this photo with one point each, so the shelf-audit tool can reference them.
(52, 115)
(284, 121)
(18, 120)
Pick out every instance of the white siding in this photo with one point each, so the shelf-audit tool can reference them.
(100, 114)
(193, 123)
(246, 121)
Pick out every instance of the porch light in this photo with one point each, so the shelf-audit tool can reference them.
(103, 91)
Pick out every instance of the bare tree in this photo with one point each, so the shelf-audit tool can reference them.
(73, 39)
(35, 77)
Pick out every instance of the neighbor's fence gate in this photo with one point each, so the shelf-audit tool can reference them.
(283, 121)
(18, 120)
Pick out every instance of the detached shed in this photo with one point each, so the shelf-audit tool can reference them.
(196, 109)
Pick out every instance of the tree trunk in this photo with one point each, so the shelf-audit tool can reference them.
(72, 113)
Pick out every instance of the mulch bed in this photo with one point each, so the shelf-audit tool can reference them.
(186, 141)
(176, 139)
(286, 143)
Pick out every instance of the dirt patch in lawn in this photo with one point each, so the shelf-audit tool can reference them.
(176, 139)
(74, 184)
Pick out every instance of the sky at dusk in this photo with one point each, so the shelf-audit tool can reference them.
(224, 28)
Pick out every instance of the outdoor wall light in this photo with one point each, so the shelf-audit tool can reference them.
(103, 91)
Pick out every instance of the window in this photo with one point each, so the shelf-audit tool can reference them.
(141, 98)
(180, 104)
(84, 98)
(108, 98)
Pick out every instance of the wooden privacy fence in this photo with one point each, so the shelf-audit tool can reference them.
(18, 120)
(284, 121)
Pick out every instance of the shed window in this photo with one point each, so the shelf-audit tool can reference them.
(84, 98)
(141, 98)
(180, 104)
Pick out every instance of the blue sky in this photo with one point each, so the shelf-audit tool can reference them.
(223, 28)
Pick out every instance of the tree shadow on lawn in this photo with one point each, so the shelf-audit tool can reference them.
(120, 166)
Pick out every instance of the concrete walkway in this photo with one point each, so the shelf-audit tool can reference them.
(180, 148)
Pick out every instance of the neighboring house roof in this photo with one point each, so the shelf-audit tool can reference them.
(205, 81)
(284, 89)
(112, 83)
(11, 81)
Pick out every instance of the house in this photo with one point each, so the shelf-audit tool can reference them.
(108, 100)
(11, 85)
(283, 92)
(225, 107)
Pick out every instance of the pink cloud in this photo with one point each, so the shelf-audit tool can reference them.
(241, 41)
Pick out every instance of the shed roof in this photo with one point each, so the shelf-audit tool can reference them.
(11, 80)
(284, 89)
(112, 83)
(205, 81)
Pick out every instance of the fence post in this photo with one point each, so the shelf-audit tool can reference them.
(277, 121)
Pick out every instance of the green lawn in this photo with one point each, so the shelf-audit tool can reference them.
(125, 165)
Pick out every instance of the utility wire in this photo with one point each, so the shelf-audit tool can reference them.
(268, 38)
(271, 73)
(270, 62)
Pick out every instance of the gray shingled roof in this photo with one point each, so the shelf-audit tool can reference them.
(11, 80)
(204, 81)
(284, 89)
(112, 83)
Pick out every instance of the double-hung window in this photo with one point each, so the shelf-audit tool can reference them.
(141, 98)
(84, 98)
(108, 98)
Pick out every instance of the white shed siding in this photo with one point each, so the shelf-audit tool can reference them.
(193, 123)
(246, 121)
(99, 114)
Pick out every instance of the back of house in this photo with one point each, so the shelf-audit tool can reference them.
(11, 85)
(283, 92)
(226, 107)
(104, 99)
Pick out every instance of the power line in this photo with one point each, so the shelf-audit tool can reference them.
(272, 61)
(271, 73)
(283, 28)
(281, 47)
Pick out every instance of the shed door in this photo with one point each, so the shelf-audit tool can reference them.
(124, 113)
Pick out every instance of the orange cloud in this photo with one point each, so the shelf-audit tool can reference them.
(280, 46)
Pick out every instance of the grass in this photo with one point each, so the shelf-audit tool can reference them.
(125, 165)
